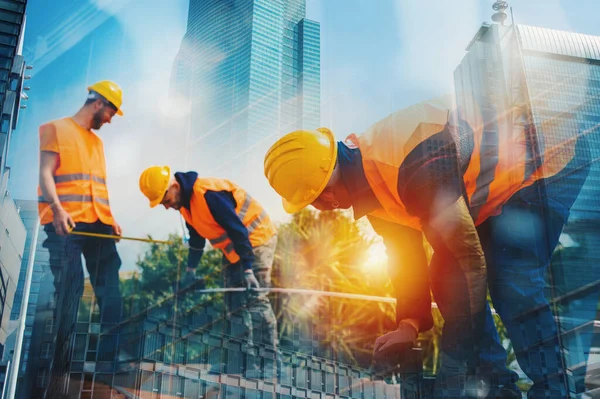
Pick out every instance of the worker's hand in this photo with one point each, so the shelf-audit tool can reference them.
(63, 223)
(117, 230)
(404, 334)
(250, 279)
(187, 279)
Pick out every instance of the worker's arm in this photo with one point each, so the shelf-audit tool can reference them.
(431, 187)
(453, 231)
(49, 162)
(196, 249)
(222, 206)
(408, 271)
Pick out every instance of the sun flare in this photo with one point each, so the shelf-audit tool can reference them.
(376, 258)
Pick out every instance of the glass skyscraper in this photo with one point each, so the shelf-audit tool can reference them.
(32, 364)
(247, 71)
(526, 79)
(12, 230)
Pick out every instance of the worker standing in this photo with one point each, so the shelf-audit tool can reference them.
(237, 225)
(423, 170)
(73, 195)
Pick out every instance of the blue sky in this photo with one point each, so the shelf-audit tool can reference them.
(377, 56)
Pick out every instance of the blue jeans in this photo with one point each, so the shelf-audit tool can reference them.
(102, 262)
(519, 244)
(480, 351)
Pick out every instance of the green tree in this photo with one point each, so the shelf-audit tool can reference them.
(327, 251)
(159, 269)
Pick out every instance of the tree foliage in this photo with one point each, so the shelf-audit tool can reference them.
(159, 270)
(327, 251)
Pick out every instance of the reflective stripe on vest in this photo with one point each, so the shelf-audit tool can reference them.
(245, 206)
(229, 248)
(256, 222)
(242, 213)
(78, 176)
(76, 198)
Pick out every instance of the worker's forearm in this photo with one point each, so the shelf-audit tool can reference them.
(194, 257)
(408, 271)
(454, 229)
(48, 188)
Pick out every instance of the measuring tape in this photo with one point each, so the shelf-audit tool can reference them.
(116, 237)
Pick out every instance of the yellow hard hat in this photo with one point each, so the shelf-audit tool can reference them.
(110, 91)
(299, 166)
(154, 182)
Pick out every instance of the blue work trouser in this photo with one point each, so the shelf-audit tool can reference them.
(102, 263)
(482, 353)
(518, 245)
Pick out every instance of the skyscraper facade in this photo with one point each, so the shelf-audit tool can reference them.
(247, 70)
(189, 352)
(12, 242)
(32, 362)
(12, 230)
(12, 68)
(545, 84)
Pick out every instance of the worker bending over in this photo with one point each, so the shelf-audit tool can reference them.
(232, 221)
(482, 202)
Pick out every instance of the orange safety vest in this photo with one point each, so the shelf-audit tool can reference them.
(253, 216)
(494, 175)
(386, 145)
(80, 177)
